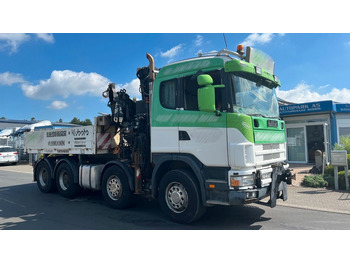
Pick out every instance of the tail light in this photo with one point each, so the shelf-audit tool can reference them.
(15, 153)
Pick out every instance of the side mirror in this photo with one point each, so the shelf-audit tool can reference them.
(206, 94)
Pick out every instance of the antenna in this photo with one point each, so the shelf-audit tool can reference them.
(225, 39)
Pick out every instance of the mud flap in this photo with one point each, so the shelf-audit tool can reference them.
(279, 184)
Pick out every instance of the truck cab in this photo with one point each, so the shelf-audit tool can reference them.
(217, 117)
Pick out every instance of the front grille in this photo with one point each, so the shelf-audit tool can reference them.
(271, 146)
(271, 156)
(269, 153)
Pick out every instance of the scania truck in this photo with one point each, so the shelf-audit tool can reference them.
(206, 132)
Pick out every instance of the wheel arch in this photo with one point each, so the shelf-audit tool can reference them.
(73, 164)
(168, 162)
(126, 170)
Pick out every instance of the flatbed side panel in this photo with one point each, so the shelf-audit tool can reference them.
(77, 140)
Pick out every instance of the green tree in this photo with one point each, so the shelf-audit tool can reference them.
(77, 121)
(60, 120)
(344, 144)
(87, 122)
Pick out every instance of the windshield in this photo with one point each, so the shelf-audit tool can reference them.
(253, 98)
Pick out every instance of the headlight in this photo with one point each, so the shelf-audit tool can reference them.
(242, 181)
(258, 70)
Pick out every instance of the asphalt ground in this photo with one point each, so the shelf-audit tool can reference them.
(292, 225)
(319, 199)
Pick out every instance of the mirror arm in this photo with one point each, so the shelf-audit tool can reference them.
(218, 113)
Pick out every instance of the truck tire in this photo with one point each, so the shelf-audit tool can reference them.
(115, 188)
(179, 197)
(44, 177)
(65, 181)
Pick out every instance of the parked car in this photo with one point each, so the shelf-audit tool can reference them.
(8, 155)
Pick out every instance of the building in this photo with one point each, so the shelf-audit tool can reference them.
(314, 126)
(10, 123)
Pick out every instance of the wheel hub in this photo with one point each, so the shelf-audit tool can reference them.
(177, 198)
(114, 188)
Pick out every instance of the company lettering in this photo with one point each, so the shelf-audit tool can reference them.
(57, 143)
(77, 132)
(301, 108)
(56, 133)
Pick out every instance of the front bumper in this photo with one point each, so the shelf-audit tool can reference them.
(237, 197)
(8, 160)
(247, 196)
(277, 189)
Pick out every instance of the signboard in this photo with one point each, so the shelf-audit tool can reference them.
(338, 158)
(306, 108)
(342, 108)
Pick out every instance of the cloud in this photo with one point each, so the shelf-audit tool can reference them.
(302, 93)
(58, 105)
(172, 52)
(199, 41)
(11, 42)
(65, 83)
(253, 39)
(131, 88)
(8, 78)
(46, 37)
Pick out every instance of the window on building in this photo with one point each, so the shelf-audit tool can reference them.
(344, 131)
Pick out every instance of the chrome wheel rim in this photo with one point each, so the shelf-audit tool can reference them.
(63, 180)
(176, 197)
(114, 187)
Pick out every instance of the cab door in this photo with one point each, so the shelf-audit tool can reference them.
(202, 134)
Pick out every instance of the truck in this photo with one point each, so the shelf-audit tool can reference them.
(205, 132)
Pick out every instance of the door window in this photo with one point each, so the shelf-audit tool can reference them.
(296, 144)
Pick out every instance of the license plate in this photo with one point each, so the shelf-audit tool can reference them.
(272, 123)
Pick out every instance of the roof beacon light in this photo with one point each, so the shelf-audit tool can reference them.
(240, 49)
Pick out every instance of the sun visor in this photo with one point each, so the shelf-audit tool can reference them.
(260, 59)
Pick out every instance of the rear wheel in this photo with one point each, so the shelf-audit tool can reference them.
(115, 188)
(44, 177)
(179, 197)
(65, 181)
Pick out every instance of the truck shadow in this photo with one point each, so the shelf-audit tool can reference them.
(24, 207)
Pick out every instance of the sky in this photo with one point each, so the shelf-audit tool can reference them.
(62, 75)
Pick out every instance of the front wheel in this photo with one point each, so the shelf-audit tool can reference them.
(179, 197)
